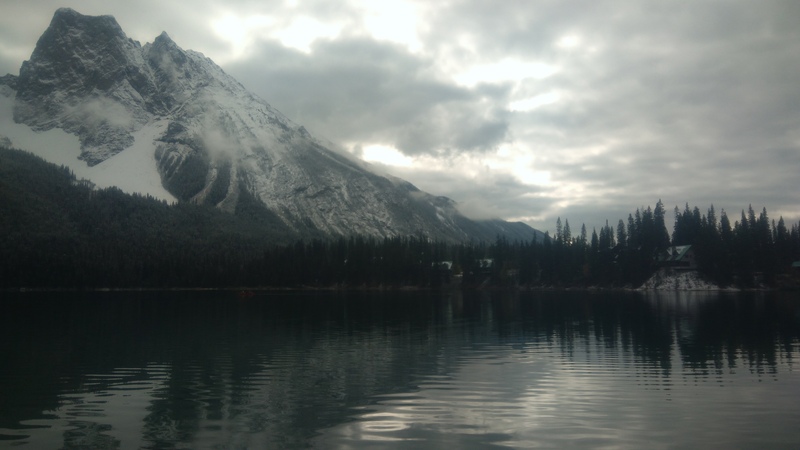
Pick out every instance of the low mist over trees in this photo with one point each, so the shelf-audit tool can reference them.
(60, 232)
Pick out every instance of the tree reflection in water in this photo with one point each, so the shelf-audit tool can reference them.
(205, 369)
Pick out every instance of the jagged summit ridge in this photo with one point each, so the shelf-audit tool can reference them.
(214, 140)
(85, 76)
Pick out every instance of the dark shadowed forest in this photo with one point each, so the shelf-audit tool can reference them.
(60, 232)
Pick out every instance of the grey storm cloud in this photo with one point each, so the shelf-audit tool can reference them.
(359, 89)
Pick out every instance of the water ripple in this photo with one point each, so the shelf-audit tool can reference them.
(517, 373)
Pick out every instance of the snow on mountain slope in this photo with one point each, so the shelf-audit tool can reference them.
(132, 171)
(171, 123)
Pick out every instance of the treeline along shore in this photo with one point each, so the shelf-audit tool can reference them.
(59, 232)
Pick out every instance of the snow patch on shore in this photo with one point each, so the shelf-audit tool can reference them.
(672, 280)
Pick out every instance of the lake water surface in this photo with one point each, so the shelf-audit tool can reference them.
(400, 370)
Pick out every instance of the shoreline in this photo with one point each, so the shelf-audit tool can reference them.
(250, 291)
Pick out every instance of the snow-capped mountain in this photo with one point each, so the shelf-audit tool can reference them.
(209, 140)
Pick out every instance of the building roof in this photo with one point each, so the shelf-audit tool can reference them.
(486, 263)
(675, 253)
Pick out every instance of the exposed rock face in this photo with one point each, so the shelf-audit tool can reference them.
(88, 78)
(83, 77)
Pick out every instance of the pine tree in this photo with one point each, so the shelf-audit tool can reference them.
(559, 231)
(662, 235)
(633, 242)
(622, 238)
(582, 240)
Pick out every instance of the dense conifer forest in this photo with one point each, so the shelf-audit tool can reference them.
(60, 232)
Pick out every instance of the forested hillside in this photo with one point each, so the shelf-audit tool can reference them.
(60, 232)
(752, 252)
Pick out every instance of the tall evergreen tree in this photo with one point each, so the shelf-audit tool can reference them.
(622, 238)
(662, 239)
(582, 239)
(559, 231)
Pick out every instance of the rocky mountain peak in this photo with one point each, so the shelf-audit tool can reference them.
(212, 141)
(68, 17)
(163, 39)
(164, 45)
(172, 70)
(78, 41)
(83, 76)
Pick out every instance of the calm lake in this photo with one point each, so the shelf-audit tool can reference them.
(400, 370)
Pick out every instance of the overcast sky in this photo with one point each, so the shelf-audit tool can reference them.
(526, 110)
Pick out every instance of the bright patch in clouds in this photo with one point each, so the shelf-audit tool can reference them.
(532, 177)
(532, 103)
(508, 159)
(504, 71)
(568, 42)
(239, 32)
(392, 20)
(305, 30)
(518, 161)
(386, 155)
(298, 32)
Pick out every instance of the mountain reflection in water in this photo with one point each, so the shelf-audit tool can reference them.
(399, 370)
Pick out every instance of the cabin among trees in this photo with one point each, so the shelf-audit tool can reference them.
(678, 257)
